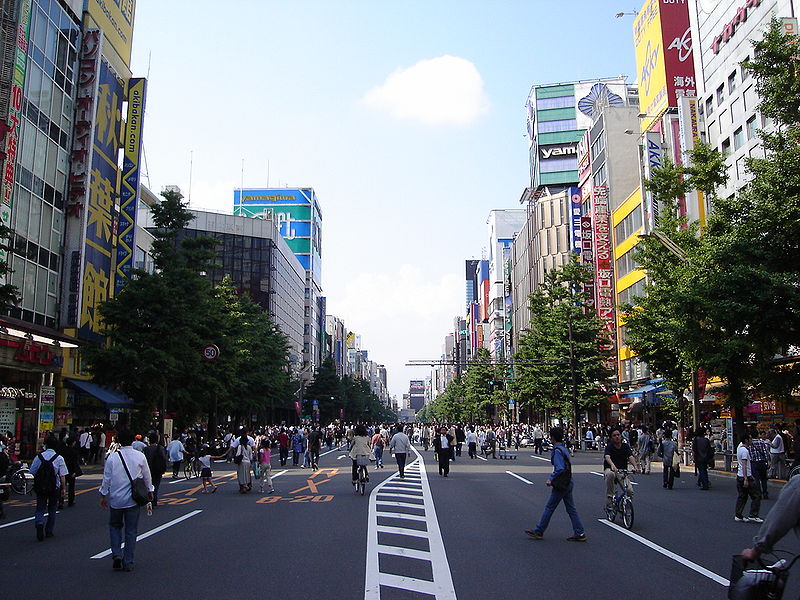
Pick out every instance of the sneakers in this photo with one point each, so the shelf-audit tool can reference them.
(117, 563)
(756, 519)
(534, 534)
(742, 519)
(577, 538)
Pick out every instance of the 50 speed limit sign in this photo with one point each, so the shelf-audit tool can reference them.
(210, 352)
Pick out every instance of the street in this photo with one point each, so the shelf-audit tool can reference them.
(419, 537)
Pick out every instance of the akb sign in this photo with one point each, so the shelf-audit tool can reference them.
(558, 151)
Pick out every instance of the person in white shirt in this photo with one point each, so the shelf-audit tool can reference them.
(472, 443)
(777, 456)
(400, 446)
(175, 453)
(85, 445)
(138, 444)
(116, 495)
(538, 439)
(49, 502)
(746, 484)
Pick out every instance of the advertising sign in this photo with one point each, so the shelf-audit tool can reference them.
(664, 62)
(576, 202)
(689, 120)
(653, 151)
(115, 18)
(100, 221)
(587, 258)
(8, 410)
(604, 269)
(9, 131)
(129, 191)
(47, 408)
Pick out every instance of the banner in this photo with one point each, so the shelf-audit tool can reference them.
(576, 207)
(604, 269)
(129, 191)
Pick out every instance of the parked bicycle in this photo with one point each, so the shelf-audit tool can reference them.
(17, 479)
(622, 503)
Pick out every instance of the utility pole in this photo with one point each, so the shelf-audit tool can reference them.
(574, 382)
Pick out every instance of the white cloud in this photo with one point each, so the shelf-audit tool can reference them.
(435, 91)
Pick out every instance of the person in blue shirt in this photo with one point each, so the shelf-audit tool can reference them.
(560, 484)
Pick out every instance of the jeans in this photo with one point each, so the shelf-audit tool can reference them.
(313, 457)
(669, 476)
(156, 484)
(47, 504)
(284, 455)
(569, 505)
(777, 467)
(458, 448)
(702, 476)
(760, 474)
(378, 456)
(472, 448)
(752, 490)
(400, 457)
(131, 518)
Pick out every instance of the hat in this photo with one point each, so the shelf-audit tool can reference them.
(138, 436)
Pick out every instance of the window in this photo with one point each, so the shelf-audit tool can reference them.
(552, 165)
(709, 105)
(628, 226)
(599, 145)
(601, 175)
(752, 127)
(731, 82)
(720, 95)
(738, 138)
(745, 72)
(627, 295)
(626, 264)
(725, 147)
(560, 125)
(557, 102)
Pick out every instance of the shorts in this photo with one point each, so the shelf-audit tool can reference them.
(205, 472)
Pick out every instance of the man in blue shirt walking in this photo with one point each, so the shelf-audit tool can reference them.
(560, 484)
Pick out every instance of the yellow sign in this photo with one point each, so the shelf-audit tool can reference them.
(115, 18)
(650, 64)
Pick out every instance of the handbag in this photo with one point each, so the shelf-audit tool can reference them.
(257, 469)
(561, 482)
(139, 491)
(676, 464)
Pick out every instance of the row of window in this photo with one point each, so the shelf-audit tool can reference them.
(627, 295)
(557, 102)
(738, 75)
(628, 226)
(626, 264)
(740, 137)
(557, 125)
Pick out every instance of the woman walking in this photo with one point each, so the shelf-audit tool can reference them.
(266, 467)
(244, 456)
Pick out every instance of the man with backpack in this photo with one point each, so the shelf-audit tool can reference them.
(49, 482)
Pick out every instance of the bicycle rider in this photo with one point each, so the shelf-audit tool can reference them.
(785, 515)
(616, 458)
(360, 446)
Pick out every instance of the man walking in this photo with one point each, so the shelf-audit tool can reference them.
(400, 445)
(645, 450)
(746, 484)
(156, 456)
(176, 451)
(759, 456)
(121, 469)
(538, 439)
(443, 446)
(49, 482)
(561, 485)
(703, 455)
(777, 455)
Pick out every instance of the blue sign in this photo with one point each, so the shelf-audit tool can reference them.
(576, 206)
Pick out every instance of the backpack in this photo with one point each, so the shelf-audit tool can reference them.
(561, 481)
(44, 482)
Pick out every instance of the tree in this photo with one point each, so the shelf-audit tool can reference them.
(562, 360)
(9, 294)
(327, 390)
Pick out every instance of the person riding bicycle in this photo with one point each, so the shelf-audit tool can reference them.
(616, 458)
(360, 446)
(785, 515)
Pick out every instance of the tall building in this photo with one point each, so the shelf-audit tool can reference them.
(502, 225)
(471, 286)
(297, 213)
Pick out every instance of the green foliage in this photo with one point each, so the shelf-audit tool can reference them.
(543, 374)
(9, 294)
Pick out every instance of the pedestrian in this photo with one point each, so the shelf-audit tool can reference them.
(703, 457)
(400, 445)
(472, 443)
(777, 454)
(561, 486)
(314, 447)
(176, 451)
(460, 438)
(266, 466)
(666, 450)
(443, 446)
(116, 493)
(283, 446)
(298, 446)
(645, 450)
(138, 443)
(746, 485)
(244, 458)
(491, 443)
(538, 439)
(760, 456)
(205, 459)
(378, 442)
(426, 437)
(85, 444)
(156, 456)
(69, 451)
(49, 483)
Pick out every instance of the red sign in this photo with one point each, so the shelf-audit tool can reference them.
(730, 27)
(587, 258)
(678, 61)
(604, 269)
(31, 352)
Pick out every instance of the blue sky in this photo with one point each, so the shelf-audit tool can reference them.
(406, 117)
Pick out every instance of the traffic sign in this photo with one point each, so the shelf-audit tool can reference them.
(210, 352)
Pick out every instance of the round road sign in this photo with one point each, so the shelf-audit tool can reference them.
(210, 352)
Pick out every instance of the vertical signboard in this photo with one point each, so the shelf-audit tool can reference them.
(587, 258)
(653, 151)
(604, 269)
(97, 279)
(47, 409)
(9, 131)
(576, 202)
(689, 120)
(115, 18)
(129, 189)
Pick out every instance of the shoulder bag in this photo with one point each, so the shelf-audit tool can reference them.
(561, 481)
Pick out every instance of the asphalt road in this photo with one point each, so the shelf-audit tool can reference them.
(421, 537)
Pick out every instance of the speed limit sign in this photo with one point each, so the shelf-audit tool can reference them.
(210, 352)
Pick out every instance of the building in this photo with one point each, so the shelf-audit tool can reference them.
(336, 343)
(297, 213)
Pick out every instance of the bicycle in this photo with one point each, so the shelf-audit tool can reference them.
(622, 502)
(191, 468)
(794, 471)
(361, 483)
(765, 583)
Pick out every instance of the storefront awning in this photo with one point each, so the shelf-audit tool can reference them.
(111, 398)
(640, 392)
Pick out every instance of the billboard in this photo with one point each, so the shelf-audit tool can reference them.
(9, 131)
(576, 206)
(115, 18)
(129, 189)
(664, 62)
(100, 233)
(604, 269)
(587, 259)
(689, 124)
(653, 150)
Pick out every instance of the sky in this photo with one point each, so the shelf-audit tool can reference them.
(407, 118)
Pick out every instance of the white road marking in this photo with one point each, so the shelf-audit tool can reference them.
(479, 456)
(540, 457)
(341, 457)
(152, 532)
(520, 478)
(279, 473)
(398, 495)
(676, 557)
(442, 585)
(4, 525)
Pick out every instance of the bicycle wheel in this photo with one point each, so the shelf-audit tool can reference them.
(793, 472)
(21, 483)
(362, 480)
(187, 469)
(611, 511)
(627, 512)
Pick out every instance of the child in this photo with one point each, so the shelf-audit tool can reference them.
(266, 467)
(205, 459)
